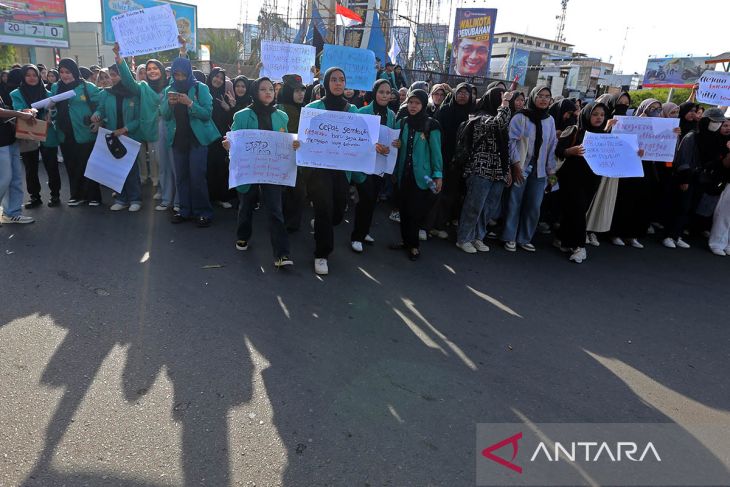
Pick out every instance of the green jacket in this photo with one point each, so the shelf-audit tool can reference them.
(149, 104)
(246, 119)
(200, 122)
(79, 108)
(319, 105)
(19, 103)
(390, 77)
(360, 177)
(427, 160)
(107, 110)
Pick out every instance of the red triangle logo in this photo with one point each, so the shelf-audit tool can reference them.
(488, 452)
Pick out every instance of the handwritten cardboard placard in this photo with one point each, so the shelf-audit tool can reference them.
(338, 140)
(262, 157)
(714, 88)
(38, 131)
(280, 58)
(144, 31)
(358, 65)
(656, 135)
(613, 155)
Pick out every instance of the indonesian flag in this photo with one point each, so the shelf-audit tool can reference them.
(347, 17)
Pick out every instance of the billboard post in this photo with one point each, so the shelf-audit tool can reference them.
(472, 42)
(673, 72)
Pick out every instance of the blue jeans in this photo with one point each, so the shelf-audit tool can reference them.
(132, 191)
(192, 186)
(523, 209)
(480, 205)
(11, 180)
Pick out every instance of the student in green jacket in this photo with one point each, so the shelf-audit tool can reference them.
(262, 115)
(76, 132)
(30, 91)
(369, 185)
(419, 168)
(187, 111)
(119, 111)
(328, 188)
(389, 75)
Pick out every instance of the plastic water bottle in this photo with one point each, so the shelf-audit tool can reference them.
(431, 183)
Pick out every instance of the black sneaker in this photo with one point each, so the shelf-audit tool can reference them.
(33, 203)
(283, 262)
(178, 218)
(241, 245)
(54, 202)
(204, 222)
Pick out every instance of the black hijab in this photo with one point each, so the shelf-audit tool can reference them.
(380, 110)
(709, 144)
(614, 109)
(199, 76)
(536, 116)
(685, 125)
(332, 102)
(584, 121)
(119, 90)
(63, 117)
(159, 84)
(216, 93)
(559, 109)
(515, 95)
(245, 100)
(54, 72)
(490, 102)
(418, 121)
(286, 96)
(263, 112)
(497, 84)
(32, 94)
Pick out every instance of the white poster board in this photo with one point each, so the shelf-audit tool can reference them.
(261, 157)
(386, 164)
(107, 170)
(714, 88)
(280, 58)
(613, 155)
(144, 31)
(656, 135)
(338, 140)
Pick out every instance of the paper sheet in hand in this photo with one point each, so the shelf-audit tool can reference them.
(338, 140)
(280, 58)
(655, 135)
(104, 168)
(262, 157)
(144, 31)
(386, 164)
(41, 104)
(613, 155)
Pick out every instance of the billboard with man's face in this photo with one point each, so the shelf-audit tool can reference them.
(472, 44)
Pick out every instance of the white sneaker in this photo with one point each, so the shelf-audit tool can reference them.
(510, 246)
(176, 209)
(439, 233)
(118, 207)
(311, 223)
(480, 246)
(669, 243)
(94, 203)
(635, 243)
(17, 219)
(157, 196)
(369, 239)
(394, 216)
(618, 242)
(682, 244)
(727, 251)
(320, 267)
(162, 207)
(650, 230)
(356, 246)
(593, 240)
(467, 247)
(135, 207)
(578, 255)
(224, 204)
(719, 252)
(422, 236)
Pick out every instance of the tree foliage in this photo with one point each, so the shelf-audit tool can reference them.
(225, 48)
(8, 55)
(680, 95)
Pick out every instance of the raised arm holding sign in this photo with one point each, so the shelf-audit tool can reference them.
(146, 30)
(280, 58)
(714, 88)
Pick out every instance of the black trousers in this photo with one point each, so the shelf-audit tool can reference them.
(76, 157)
(575, 195)
(217, 173)
(295, 200)
(50, 161)
(446, 206)
(414, 205)
(271, 195)
(367, 193)
(328, 189)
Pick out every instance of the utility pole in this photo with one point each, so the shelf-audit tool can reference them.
(561, 21)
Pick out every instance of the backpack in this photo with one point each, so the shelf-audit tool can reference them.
(464, 143)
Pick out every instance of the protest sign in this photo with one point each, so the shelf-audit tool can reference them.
(41, 104)
(262, 157)
(107, 170)
(613, 155)
(386, 164)
(37, 131)
(144, 31)
(714, 88)
(338, 140)
(656, 135)
(358, 65)
(280, 58)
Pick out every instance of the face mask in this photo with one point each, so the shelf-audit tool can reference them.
(621, 110)
(657, 112)
(714, 126)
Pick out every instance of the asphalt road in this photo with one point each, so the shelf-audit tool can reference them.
(126, 360)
